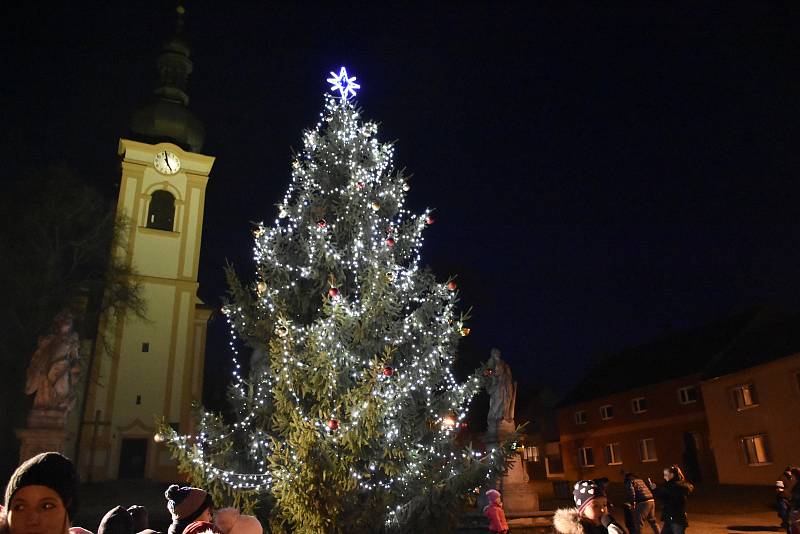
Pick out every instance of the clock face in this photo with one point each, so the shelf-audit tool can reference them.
(166, 162)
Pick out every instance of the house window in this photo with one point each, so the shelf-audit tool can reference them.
(161, 213)
(756, 449)
(613, 454)
(647, 450)
(580, 417)
(639, 405)
(744, 396)
(586, 457)
(606, 412)
(687, 395)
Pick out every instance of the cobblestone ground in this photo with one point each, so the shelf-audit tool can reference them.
(733, 523)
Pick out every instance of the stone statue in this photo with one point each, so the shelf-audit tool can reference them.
(54, 367)
(502, 392)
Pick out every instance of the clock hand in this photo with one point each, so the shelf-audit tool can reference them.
(166, 160)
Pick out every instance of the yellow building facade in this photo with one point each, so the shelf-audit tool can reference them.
(144, 369)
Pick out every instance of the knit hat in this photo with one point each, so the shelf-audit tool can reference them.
(50, 469)
(186, 501)
(200, 527)
(492, 495)
(116, 521)
(584, 492)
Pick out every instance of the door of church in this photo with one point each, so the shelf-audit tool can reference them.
(132, 458)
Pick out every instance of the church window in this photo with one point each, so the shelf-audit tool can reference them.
(161, 214)
(145, 347)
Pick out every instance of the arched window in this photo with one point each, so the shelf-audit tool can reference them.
(161, 214)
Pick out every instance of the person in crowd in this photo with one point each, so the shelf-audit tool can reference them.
(672, 495)
(201, 527)
(782, 504)
(590, 515)
(79, 530)
(230, 521)
(116, 521)
(41, 496)
(141, 519)
(494, 511)
(642, 504)
(187, 505)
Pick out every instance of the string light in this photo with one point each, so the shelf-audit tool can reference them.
(358, 335)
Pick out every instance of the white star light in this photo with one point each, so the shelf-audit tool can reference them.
(343, 83)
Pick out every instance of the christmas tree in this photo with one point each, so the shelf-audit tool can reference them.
(349, 421)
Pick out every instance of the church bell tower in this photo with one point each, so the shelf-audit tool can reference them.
(145, 369)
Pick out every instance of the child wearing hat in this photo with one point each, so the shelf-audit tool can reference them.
(41, 496)
(590, 515)
(494, 512)
(187, 505)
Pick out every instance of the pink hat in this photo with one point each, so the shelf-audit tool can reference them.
(230, 521)
(247, 524)
(492, 495)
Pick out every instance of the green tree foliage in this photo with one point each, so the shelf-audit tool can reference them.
(55, 248)
(351, 423)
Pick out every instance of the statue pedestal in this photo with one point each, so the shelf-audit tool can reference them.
(46, 431)
(519, 498)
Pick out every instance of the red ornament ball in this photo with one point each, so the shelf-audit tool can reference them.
(388, 371)
(430, 220)
(488, 372)
(333, 424)
(333, 292)
(359, 185)
(322, 223)
(451, 285)
(390, 242)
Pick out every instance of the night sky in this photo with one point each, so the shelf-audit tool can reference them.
(600, 175)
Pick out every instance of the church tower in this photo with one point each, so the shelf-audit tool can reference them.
(144, 369)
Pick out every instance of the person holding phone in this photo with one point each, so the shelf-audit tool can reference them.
(673, 495)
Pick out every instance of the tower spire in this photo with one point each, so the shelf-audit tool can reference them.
(167, 117)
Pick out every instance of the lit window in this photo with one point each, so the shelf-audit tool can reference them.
(580, 417)
(756, 449)
(744, 396)
(586, 457)
(687, 395)
(639, 405)
(647, 450)
(606, 412)
(613, 454)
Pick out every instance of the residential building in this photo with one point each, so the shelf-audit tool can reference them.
(752, 400)
(643, 409)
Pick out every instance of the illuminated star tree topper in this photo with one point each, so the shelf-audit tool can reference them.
(346, 85)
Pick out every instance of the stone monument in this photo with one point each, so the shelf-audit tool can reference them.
(52, 375)
(518, 496)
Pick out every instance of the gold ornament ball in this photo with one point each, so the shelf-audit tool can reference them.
(261, 286)
(465, 331)
(376, 206)
(282, 331)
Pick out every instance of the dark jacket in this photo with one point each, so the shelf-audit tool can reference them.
(637, 491)
(672, 496)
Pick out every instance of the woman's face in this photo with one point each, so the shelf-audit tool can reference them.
(668, 475)
(37, 510)
(596, 509)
